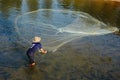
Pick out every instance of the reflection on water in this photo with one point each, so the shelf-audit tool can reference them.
(91, 57)
(105, 10)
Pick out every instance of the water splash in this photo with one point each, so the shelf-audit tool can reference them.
(58, 27)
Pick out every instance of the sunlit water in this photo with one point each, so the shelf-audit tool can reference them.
(78, 34)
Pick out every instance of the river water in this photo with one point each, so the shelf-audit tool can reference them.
(78, 34)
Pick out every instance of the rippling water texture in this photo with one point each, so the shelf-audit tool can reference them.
(78, 34)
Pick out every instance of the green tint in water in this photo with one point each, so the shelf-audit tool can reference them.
(105, 10)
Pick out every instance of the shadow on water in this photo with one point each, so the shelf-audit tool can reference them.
(87, 58)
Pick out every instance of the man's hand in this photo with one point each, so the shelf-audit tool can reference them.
(43, 51)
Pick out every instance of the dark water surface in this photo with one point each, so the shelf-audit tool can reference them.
(88, 58)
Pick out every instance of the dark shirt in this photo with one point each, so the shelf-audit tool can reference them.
(35, 47)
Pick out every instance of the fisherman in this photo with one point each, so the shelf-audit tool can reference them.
(36, 46)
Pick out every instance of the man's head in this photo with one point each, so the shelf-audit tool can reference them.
(36, 39)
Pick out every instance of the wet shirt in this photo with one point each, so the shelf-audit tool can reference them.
(35, 47)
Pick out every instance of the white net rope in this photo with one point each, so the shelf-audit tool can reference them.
(57, 27)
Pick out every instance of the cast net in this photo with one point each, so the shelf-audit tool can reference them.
(58, 27)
